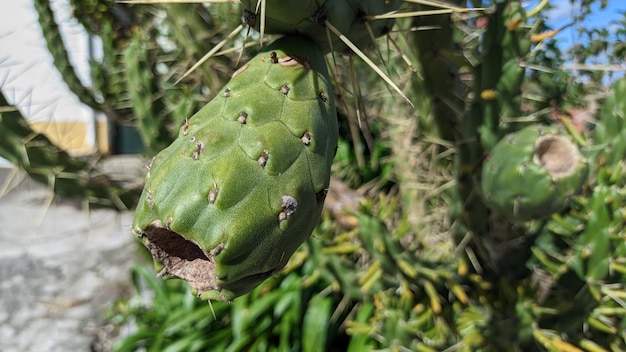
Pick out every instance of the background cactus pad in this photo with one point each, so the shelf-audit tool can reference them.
(532, 173)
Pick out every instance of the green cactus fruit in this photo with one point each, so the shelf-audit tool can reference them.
(308, 17)
(243, 185)
(532, 173)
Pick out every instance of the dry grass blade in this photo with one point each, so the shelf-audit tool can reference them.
(211, 53)
(233, 49)
(367, 60)
(262, 3)
(439, 4)
(535, 10)
(422, 13)
(7, 109)
(592, 67)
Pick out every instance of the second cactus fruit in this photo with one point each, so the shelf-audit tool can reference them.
(532, 173)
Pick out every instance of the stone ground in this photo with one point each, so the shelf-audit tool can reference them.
(61, 267)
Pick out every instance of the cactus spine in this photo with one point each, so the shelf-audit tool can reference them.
(60, 57)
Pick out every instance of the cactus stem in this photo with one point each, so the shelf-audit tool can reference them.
(557, 155)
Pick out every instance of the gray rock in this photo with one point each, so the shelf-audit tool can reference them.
(61, 267)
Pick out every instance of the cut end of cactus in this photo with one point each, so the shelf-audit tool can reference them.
(557, 155)
(183, 259)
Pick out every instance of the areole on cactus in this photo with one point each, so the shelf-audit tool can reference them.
(532, 173)
(230, 200)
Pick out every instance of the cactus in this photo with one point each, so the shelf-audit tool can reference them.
(310, 18)
(532, 173)
(578, 255)
(609, 132)
(48, 164)
(229, 201)
(528, 263)
(61, 59)
(153, 119)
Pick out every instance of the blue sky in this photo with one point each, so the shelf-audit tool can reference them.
(563, 11)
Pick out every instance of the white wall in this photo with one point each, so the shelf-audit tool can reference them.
(28, 77)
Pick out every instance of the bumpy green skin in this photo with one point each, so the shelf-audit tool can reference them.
(515, 185)
(247, 177)
(306, 18)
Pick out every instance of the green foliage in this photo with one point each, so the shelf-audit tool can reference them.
(296, 310)
(430, 265)
(314, 304)
(532, 173)
(66, 176)
(61, 59)
(579, 253)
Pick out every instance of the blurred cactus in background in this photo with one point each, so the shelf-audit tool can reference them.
(481, 216)
(133, 83)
